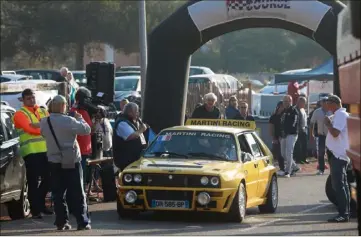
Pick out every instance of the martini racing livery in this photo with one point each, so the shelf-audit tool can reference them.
(203, 169)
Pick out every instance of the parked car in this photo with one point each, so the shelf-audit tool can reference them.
(80, 77)
(14, 77)
(126, 73)
(41, 74)
(14, 188)
(193, 70)
(127, 87)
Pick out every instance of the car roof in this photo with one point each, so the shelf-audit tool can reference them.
(39, 70)
(80, 71)
(14, 76)
(128, 77)
(209, 129)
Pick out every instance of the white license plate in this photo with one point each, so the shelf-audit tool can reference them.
(169, 204)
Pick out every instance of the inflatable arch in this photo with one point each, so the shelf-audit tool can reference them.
(171, 44)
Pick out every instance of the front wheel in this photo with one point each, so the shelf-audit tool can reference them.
(272, 198)
(237, 211)
(21, 208)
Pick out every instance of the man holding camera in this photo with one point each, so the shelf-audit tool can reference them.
(84, 141)
(128, 138)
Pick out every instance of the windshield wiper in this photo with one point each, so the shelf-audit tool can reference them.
(204, 154)
(159, 153)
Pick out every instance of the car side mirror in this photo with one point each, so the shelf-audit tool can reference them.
(2, 139)
(245, 157)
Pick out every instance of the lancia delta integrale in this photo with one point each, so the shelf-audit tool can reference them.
(203, 169)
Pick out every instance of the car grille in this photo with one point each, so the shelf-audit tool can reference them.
(174, 180)
(169, 195)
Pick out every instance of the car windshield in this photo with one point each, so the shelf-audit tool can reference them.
(79, 76)
(193, 145)
(126, 84)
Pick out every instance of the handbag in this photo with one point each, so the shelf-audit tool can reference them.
(68, 155)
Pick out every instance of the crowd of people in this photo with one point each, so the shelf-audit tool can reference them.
(57, 142)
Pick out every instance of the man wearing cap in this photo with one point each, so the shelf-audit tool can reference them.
(64, 156)
(33, 150)
(337, 143)
(317, 120)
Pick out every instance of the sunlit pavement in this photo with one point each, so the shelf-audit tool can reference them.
(303, 210)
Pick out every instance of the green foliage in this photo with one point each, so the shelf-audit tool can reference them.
(44, 28)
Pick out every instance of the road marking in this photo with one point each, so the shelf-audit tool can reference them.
(280, 219)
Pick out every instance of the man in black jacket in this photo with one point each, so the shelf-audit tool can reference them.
(208, 110)
(289, 133)
(128, 137)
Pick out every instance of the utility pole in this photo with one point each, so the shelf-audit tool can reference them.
(143, 47)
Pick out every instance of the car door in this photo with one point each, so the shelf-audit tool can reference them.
(250, 169)
(262, 162)
(12, 165)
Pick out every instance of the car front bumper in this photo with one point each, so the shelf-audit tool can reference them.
(220, 199)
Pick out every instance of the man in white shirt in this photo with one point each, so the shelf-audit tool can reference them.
(337, 143)
(128, 138)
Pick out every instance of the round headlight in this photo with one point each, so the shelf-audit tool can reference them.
(131, 196)
(137, 178)
(214, 181)
(203, 198)
(128, 178)
(204, 180)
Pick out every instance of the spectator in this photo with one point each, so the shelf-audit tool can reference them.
(60, 131)
(128, 138)
(337, 143)
(103, 126)
(72, 87)
(301, 143)
(317, 120)
(275, 132)
(244, 113)
(83, 140)
(208, 110)
(122, 103)
(294, 90)
(232, 110)
(63, 73)
(33, 150)
(289, 131)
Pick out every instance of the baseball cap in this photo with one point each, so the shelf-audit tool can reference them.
(334, 99)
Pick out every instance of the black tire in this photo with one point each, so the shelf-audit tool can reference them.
(123, 213)
(237, 212)
(20, 209)
(330, 193)
(272, 198)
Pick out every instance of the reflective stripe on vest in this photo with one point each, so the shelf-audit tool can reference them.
(31, 144)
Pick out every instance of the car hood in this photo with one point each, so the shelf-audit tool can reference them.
(119, 95)
(182, 166)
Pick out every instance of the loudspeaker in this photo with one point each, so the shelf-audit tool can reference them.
(100, 78)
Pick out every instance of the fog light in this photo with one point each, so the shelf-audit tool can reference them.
(131, 197)
(203, 198)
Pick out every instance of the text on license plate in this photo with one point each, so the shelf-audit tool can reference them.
(169, 204)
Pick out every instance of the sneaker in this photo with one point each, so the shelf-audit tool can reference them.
(66, 226)
(280, 173)
(339, 219)
(296, 169)
(86, 227)
(287, 175)
(319, 172)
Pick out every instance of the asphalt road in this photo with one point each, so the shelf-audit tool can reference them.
(303, 210)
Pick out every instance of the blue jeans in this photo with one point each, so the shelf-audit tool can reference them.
(339, 184)
(69, 182)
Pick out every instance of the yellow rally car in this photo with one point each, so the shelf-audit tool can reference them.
(203, 169)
